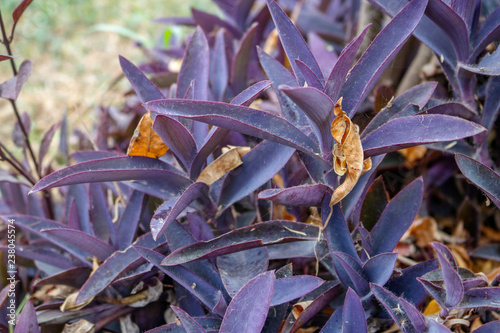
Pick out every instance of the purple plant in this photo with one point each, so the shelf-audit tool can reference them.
(226, 255)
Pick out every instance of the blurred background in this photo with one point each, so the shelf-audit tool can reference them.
(74, 46)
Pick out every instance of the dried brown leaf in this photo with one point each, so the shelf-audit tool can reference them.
(299, 307)
(229, 160)
(413, 154)
(81, 326)
(347, 153)
(70, 304)
(425, 230)
(146, 142)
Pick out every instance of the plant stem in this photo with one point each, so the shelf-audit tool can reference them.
(6, 42)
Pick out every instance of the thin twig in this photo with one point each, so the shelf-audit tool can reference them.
(6, 42)
(18, 169)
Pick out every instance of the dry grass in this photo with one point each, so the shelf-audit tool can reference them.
(74, 65)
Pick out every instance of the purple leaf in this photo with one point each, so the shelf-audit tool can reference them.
(169, 210)
(17, 132)
(453, 109)
(211, 22)
(242, 119)
(44, 255)
(11, 88)
(188, 323)
(259, 165)
(482, 176)
(280, 76)
(337, 233)
(334, 324)
(319, 110)
(144, 88)
(74, 277)
(342, 66)
(195, 64)
(248, 310)
(427, 31)
(415, 130)
(236, 269)
(452, 281)
(354, 315)
(104, 228)
(237, 10)
(46, 140)
(489, 65)
(437, 292)
(210, 324)
(303, 195)
(350, 273)
(117, 263)
(326, 58)
(487, 298)
(295, 46)
(418, 95)
(200, 288)
(488, 251)
(380, 267)
(444, 16)
(16, 15)
(397, 217)
(241, 60)
(311, 79)
(289, 288)
(4, 57)
(491, 104)
(127, 225)
(77, 208)
(435, 327)
(219, 75)
(177, 138)
(82, 241)
(36, 226)
(214, 137)
(408, 321)
(199, 227)
(379, 54)
(27, 320)
(407, 284)
(489, 32)
(318, 304)
(247, 96)
(114, 169)
(491, 327)
(261, 234)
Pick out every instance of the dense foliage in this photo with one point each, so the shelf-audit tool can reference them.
(271, 185)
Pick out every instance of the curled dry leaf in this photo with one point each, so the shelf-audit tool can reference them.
(146, 142)
(299, 307)
(347, 153)
(81, 326)
(229, 160)
(70, 303)
(425, 230)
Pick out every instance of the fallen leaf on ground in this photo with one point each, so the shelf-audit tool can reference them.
(229, 160)
(146, 142)
(425, 230)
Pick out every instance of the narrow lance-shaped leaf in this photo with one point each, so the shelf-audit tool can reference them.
(289, 288)
(236, 269)
(201, 289)
(248, 310)
(145, 89)
(303, 195)
(169, 210)
(27, 320)
(239, 72)
(354, 320)
(259, 165)
(293, 43)
(452, 280)
(318, 108)
(416, 130)
(379, 54)
(342, 66)
(115, 169)
(188, 323)
(242, 119)
(482, 176)
(219, 75)
(261, 234)
(311, 79)
(397, 217)
(489, 65)
(16, 15)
